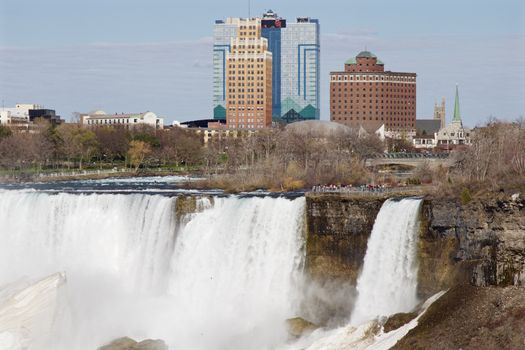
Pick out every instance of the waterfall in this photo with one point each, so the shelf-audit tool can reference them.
(388, 281)
(226, 277)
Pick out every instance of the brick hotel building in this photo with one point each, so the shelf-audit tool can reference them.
(365, 95)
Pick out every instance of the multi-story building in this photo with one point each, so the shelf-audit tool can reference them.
(223, 33)
(248, 77)
(101, 118)
(365, 95)
(295, 66)
(23, 114)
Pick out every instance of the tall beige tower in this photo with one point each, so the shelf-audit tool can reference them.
(439, 112)
(248, 77)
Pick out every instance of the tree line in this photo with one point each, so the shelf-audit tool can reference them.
(286, 158)
(71, 146)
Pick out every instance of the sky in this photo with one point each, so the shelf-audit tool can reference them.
(156, 55)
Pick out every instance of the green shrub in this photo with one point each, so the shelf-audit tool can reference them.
(466, 197)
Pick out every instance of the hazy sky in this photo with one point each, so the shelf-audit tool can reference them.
(137, 55)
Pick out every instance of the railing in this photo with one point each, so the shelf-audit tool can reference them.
(366, 190)
(402, 155)
(84, 172)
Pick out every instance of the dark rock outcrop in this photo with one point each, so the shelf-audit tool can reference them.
(298, 326)
(337, 229)
(395, 321)
(188, 205)
(480, 243)
(126, 343)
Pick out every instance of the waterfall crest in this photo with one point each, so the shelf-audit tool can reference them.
(388, 281)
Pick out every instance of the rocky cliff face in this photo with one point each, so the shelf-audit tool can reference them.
(337, 229)
(481, 243)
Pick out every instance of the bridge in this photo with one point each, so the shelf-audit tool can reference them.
(410, 159)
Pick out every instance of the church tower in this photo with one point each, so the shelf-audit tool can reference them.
(439, 112)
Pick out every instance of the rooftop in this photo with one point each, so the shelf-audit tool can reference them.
(366, 54)
(320, 126)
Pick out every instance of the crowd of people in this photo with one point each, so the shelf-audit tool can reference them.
(349, 188)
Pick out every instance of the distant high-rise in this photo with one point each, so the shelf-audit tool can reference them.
(296, 66)
(223, 33)
(365, 95)
(295, 69)
(248, 77)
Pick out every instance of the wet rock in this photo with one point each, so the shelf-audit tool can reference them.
(398, 320)
(298, 326)
(471, 318)
(150, 344)
(126, 343)
(337, 230)
(187, 205)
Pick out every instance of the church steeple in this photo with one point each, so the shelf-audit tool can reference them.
(457, 114)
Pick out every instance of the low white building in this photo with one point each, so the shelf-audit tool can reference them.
(18, 114)
(424, 142)
(128, 120)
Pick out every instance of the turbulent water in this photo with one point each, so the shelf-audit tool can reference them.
(78, 270)
(226, 278)
(388, 281)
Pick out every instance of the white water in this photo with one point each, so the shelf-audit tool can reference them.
(227, 279)
(388, 281)
(386, 285)
(365, 336)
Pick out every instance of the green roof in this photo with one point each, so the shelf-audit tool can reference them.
(366, 54)
(308, 112)
(351, 61)
(219, 112)
(380, 62)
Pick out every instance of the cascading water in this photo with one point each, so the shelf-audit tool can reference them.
(388, 281)
(226, 279)
(386, 285)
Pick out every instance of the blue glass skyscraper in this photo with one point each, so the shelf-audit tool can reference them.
(295, 50)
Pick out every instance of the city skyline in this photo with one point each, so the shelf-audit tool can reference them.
(78, 62)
